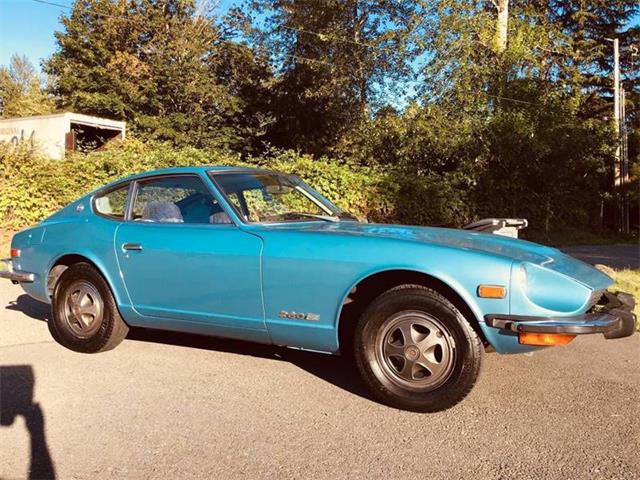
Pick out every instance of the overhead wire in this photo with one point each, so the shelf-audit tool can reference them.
(269, 53)
(509, 99)
(220, 40)
(324, 36)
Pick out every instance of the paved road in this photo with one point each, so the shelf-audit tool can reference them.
(168, 406)
(614, 256)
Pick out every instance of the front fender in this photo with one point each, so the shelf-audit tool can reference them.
(465, 287)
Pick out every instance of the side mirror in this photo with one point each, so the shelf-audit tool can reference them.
(278, 189)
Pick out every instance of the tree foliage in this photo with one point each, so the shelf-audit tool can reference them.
(506, 106)
(336, 61)
(526, 128)
(34, 187)
(163, 66)
(21, 90)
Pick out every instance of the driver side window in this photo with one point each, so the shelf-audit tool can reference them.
(177, 199)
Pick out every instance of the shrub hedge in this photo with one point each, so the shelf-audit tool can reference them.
(33, 187)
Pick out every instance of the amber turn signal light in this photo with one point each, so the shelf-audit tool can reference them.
(492, 291)
(544, 339)
(15, 252)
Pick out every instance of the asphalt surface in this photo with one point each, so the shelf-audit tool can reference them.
(167, 406)
(614, 256)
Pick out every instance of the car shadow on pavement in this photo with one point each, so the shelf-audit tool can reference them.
(17, 383)
(334, 369)
(337, 370)
(31, 307)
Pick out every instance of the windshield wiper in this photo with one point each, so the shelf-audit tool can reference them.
(347, 216)
(326, 218)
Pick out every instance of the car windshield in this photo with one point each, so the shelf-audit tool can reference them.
(268, 197)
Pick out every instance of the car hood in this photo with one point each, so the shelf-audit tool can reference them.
(515, 249)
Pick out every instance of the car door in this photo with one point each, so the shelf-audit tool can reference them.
(186, 265)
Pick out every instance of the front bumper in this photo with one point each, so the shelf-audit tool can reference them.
(16, 276)
(613, 317)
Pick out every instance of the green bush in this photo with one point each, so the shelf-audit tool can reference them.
(32, 187)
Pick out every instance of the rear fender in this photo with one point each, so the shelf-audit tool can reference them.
(114, 281)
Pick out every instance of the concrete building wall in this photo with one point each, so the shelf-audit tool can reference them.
(47, 133)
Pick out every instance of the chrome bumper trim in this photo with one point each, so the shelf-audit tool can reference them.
(614, 320)
(16, 276)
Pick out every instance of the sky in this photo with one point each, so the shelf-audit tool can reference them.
(27, 27)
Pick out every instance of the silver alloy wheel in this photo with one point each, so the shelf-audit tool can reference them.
(83, 308)
(415, 351)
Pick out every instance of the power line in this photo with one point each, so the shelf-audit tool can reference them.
(324, 36)
(52, 3)
(221, 40)
(257, 48)
(266, 50)
(515, 100)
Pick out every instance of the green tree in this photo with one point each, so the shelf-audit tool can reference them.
(336, 63)
(164, 66)
(515, 120)
(21, 90)
(588, 26)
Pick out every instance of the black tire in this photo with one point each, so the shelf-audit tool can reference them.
(97, 331)
(381, 350)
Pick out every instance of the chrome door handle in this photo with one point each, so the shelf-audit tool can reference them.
(137, 247)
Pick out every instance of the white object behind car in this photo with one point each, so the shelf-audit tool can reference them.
(508, 227)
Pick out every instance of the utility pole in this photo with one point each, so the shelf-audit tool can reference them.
(617, 180)
(624, 162)
(619, 176)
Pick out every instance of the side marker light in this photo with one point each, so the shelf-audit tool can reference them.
(544, 339)
(492, 291)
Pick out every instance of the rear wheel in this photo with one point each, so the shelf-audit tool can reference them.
(415, 351)
(85, 315)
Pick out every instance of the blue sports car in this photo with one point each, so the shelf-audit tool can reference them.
(259, 255)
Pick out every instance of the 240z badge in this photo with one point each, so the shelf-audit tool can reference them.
(313, 317)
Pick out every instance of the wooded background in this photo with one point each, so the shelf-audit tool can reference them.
(476, 108)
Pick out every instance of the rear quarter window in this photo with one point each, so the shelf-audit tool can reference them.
(113, 203)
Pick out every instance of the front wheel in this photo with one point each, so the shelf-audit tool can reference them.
(415, 351)
(85, 316)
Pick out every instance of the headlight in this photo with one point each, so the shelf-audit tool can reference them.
(521, 277)
(549, 289)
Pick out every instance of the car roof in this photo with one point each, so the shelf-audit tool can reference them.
(183, 170)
